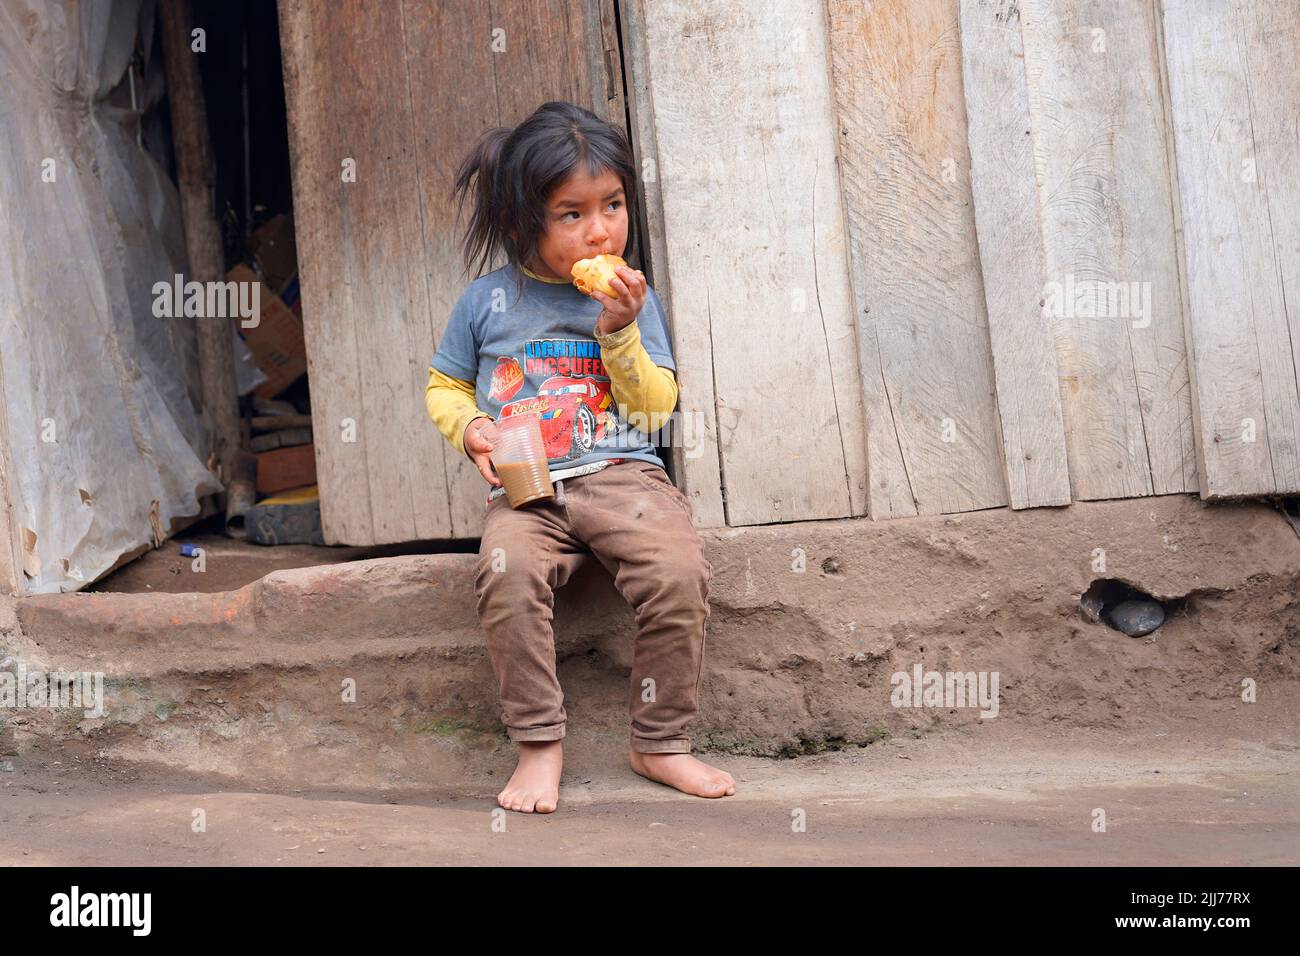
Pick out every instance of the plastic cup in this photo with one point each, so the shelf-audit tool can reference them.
(519, 457)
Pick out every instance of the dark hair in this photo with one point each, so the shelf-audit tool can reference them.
(514, 172)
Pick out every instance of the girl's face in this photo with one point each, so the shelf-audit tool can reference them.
(585, 216)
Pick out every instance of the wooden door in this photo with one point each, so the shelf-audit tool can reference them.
(397, 92)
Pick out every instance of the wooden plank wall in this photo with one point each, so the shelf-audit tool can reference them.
(1235, 91)
(1101, 147)
(1011, 256)
(920, 256)
(403, 89)
(1009, 181)
(1078, 86)
(11, 550)
(1079, 134)
(927, 367)
(754, 245)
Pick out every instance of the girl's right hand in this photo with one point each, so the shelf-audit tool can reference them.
(478, 445)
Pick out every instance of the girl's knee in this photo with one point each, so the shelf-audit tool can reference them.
(501, 583)
(683, 584)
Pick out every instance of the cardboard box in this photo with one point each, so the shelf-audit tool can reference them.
(275, 251)
(276, 341)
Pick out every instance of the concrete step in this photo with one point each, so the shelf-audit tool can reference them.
(809, 624)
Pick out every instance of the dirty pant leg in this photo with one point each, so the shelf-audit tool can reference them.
(524, 556)
(640, 527)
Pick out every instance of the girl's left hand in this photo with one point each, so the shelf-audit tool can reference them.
(631, 287)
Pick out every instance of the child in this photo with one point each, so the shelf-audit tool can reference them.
(554, 190)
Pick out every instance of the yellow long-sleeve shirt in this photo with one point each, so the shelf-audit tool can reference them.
(646, 393)
(452, 406)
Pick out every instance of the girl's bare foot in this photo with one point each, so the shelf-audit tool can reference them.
(534, 787)
(684, 772)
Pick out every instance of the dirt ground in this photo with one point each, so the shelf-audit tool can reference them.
(232, 563)
(999, 798)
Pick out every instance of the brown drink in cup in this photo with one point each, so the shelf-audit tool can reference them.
(519, 457)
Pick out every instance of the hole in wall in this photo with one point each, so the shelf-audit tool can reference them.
(1125, 608)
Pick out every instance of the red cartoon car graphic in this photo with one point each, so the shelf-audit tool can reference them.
(507, 379)
(574, 413)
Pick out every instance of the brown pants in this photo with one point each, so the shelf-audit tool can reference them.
(639, 526)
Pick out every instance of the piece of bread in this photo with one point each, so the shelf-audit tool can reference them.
(589, 274)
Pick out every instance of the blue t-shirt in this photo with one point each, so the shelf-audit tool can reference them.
(538, 352)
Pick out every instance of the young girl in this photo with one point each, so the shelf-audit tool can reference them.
(523, 339)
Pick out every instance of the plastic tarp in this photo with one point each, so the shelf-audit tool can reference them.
(101, 423)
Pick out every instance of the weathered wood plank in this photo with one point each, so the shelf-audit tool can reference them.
(697, 463)
(384, 85)
(933, 442)
(196, 176)
(11, 582)
(342, 469)
(1112, 285)
(444, 43)
(1011, 253)
(1234, 101)
(1273, 71)
(553, 50)
(380, 245)
(756, 248)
